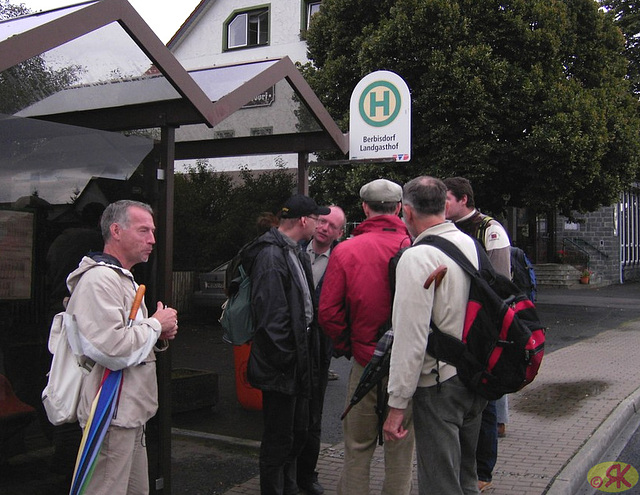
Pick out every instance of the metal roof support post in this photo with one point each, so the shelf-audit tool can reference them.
(164, 240)
(303, 173)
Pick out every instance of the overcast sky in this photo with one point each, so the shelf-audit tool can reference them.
(164, 16)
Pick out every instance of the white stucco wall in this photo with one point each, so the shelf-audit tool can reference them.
(202, 45)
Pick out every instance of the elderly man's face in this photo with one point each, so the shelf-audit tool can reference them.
(138, 238)
(329, 227)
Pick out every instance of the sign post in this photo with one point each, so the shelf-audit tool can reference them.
(380, 118)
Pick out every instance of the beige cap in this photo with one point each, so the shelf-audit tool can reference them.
(381, 191)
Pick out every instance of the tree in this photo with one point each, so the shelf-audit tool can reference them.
(215, 216)
(31, 80)
(528, 98)
(9, 11)
(626, 14)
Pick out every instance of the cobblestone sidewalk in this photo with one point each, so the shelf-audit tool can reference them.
(577, 389)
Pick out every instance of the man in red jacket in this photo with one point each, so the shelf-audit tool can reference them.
(355, 308)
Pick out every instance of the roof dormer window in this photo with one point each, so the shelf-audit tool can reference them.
(248, 28)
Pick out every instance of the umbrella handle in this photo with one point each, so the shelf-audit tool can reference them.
(346, 411)
(436, 276)
(137, 301)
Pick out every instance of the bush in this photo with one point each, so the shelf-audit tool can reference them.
(215, 216)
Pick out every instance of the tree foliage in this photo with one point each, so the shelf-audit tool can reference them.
(527, 98)
(215, 216)
(626, 14)
(9, 11)
(31, 80)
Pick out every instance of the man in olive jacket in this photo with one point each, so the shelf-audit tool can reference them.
(279, 364)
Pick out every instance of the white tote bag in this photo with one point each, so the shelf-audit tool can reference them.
(68, 368)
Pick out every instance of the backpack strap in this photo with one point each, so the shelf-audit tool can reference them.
(482, 229)
(444, 341)
(451, 250)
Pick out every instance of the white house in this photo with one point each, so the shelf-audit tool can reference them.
(235, 32)
(225, 32)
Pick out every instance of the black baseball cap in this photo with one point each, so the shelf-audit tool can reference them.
(300, 205)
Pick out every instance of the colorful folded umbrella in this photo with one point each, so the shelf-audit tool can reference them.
(103, 409)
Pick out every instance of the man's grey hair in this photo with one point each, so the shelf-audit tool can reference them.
(426, 195)
(118, 212)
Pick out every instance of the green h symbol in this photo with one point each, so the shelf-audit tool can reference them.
(374, 103)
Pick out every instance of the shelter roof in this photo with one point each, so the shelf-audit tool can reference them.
(97, 66)
(97, 42)
(118, 75)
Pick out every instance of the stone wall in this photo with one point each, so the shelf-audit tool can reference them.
(597, 235)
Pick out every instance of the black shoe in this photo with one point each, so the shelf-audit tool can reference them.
(314, 488)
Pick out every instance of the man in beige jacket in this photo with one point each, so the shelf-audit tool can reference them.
(102, 292)
(446, 414)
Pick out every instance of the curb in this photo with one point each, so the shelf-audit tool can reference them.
(574, 474)
(241, 442)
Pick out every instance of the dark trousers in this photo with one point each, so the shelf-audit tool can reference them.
(446, 424)
(308, 458)
(487, 450)
(286, 420)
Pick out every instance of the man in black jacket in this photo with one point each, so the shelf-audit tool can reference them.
(280, 365)
(329, 229)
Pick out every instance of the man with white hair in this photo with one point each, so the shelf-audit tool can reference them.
(329, 229)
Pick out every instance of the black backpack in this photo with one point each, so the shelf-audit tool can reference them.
(236, 318)
(523, 273)
(503, 340)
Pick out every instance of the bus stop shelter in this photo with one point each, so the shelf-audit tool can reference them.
(94, 107)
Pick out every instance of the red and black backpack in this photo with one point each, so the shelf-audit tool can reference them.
(503, 339)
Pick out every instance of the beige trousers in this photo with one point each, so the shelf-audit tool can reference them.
(121, 467)
(360, 428)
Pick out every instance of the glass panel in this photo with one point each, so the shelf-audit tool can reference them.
(104, 68)
(237, 31)
(19, 25)
(263, 35)
(221, 81)
(258, 28)
(313, 8)
(54, 163)
(54, 182)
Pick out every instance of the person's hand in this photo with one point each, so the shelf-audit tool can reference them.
(168, 318)
(393, 429)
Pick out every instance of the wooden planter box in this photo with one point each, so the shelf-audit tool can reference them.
(193, 389)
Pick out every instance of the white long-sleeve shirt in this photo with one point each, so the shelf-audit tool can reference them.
(414, 308)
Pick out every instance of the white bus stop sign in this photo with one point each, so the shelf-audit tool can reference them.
(380, 118)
